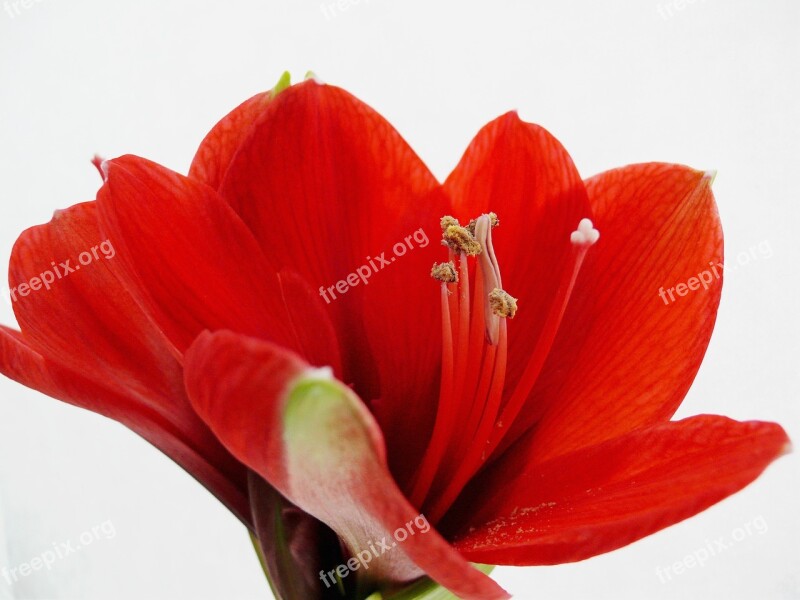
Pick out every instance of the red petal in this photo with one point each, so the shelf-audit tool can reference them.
(18, 361)
(219, 146)
(85, 319)
(606, 496)
(522, 173)
(622, 358)
(319, 446)
(309, 322)
(187, 257)
(327, 186)
(187, 441)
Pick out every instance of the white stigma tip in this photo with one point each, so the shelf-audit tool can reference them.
(586, 234)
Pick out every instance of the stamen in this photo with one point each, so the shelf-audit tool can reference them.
(484, 431)
(472, 403)
(462, 350)
(472, 419)
(455, 325)
(445, 414)
(480, 386)
(479, 361)
(476, 453)
(490, 271)
(582, 239)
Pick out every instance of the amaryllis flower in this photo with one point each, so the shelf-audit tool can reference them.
(270, 323)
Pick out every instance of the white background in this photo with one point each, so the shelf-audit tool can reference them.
(712, 83)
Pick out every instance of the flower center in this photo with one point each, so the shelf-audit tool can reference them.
(474, 415)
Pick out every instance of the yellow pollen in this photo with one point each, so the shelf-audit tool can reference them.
(494, 221)
(459, 239)
(445, 272)
(503, 304)
(447, 221)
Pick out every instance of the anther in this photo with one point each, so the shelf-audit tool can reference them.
(445, 272)
(502, 303)
(495, 222)
(459, 239)
(447, 221)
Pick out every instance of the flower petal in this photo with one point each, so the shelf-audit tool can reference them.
(187, 257)
(605, 496)
(188, 442)
(218, 147)
(84, 318)
(329, 188)
(313, 439)
(622, 358)
(309, 322)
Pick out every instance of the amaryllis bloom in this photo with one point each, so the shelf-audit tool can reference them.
(270, 323)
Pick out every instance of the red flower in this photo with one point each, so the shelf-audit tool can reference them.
(300, 239)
